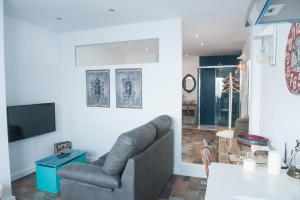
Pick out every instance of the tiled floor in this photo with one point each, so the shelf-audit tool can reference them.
(184, 188)
(192, 141)
(179, 188)
(24, 189)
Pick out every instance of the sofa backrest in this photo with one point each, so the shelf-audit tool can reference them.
(133, 142)
(162, 124)
(149, 171)
(127, 145)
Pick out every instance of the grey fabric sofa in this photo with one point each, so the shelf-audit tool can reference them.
(138, 167)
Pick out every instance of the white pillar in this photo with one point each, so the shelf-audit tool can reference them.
(4, 154)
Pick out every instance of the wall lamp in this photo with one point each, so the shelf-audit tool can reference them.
(268, 38)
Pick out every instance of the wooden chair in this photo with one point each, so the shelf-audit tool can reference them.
(207, 157)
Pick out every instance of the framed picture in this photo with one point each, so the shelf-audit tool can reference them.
(97, 88)
(129, 88)
(61, 147)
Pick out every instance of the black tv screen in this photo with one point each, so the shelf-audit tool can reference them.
(30, 120)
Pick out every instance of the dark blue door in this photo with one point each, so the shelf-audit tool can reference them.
(207, 96)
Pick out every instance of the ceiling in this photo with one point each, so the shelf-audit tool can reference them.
(218, 23)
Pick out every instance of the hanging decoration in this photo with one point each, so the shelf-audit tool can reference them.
(292, 59)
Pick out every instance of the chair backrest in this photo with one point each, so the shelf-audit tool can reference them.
(241, 126)
(207, 157)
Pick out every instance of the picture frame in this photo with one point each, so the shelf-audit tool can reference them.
(129, 88)
(62, 147)
(98, 88)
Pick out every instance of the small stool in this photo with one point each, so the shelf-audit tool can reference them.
(225, 134)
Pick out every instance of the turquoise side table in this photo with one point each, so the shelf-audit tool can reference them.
(47, 168)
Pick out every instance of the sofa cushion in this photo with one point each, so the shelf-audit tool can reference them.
(89, 173)
(162, 125)
(127, 145)
(101, 160)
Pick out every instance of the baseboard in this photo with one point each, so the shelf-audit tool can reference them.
(20, 174)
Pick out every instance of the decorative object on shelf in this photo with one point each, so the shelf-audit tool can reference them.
(189, 83)
(62, 147)
(294, 164)
(97, 88)
(274, 162)
(129, 88)
(249, 140)
(292, 59)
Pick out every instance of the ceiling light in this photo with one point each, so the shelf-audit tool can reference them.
(186, 55)
(202, 44)
(196, 35)
(146, 48)
(111, 10)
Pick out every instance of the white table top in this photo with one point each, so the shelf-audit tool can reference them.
(226, 181)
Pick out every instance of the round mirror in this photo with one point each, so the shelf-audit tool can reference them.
(189, 83)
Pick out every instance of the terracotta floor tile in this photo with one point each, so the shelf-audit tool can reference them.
(178, 188)
(192, 141)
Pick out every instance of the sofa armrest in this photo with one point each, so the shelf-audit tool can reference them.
(89, 173)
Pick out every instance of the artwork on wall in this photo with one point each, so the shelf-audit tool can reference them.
(129, 88)
(62, 147)
(292, 59)
(97, 88)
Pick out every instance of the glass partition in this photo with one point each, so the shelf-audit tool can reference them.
(214, 102)
(127, 52)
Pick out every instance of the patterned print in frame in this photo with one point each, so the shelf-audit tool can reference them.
(129, 88)
(97, 88)
(292, 59)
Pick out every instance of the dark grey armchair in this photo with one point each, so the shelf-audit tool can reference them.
(138, 167)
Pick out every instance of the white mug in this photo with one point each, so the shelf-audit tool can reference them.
(1, 190)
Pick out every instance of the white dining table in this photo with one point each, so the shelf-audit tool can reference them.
(230, 182)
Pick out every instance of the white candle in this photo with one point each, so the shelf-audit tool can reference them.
(249, 164)
(274, 162)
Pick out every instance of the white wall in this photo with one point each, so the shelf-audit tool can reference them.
(4, 155)
(96, 129)
(279, 109)
(32, 76)
(255, 78)
(190, 66)
(98, 55)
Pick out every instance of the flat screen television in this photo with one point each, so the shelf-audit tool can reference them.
(27, 121)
